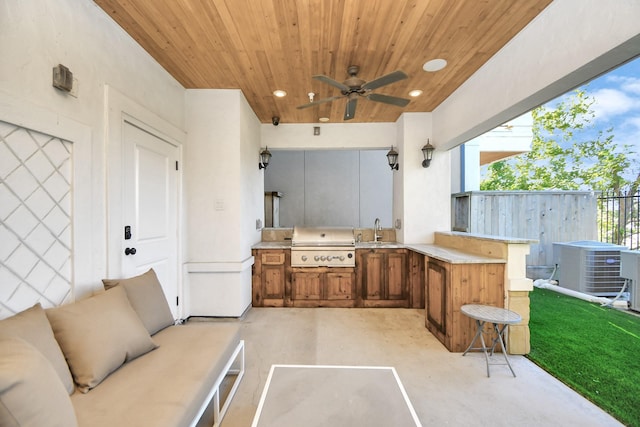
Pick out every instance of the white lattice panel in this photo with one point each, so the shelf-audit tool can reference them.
(35, 219)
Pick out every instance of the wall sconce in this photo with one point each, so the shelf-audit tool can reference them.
(265, 156)
(392, 157)
(427, 152)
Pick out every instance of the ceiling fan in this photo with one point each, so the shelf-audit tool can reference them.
(354, 87)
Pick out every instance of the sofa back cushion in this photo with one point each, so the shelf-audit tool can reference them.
(98, 334)
(31, 392)
(147, 299)
(33, 326)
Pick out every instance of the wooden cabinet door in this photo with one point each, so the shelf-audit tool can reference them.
(436, 305)
(273, 281)
(270, 277)
(339, 286)
(383, 277)
(307, 286)
(396, 276)
(373, 277)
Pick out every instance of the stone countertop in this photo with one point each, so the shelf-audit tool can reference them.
(452, 256)
(442, 253)
(500, 239)
(359, 245)
(273, 245)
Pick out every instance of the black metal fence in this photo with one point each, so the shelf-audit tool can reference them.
(618, 219)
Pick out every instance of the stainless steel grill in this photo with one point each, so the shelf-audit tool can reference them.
(323, 247)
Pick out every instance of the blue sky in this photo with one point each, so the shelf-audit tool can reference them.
(617, 102)
(616, 105)
(616, 96)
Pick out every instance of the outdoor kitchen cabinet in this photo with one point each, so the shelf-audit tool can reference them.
(323, 287)
(448, 286)
(383, 277)
(271, 277)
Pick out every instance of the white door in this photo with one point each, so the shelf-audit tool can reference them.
(150, 209)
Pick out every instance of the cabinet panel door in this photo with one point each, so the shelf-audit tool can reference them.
(396, 276)
(273, 281)
(307, 286)
(373, 276)
(339, 285)
(437, 296)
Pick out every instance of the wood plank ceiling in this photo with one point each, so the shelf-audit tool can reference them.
(259, 46)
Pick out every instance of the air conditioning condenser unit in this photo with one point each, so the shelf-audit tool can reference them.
(590, 267)
(630, 269)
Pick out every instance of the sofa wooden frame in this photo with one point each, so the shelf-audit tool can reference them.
(222, 391)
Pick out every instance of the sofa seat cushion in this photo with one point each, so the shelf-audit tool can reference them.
(165, 387)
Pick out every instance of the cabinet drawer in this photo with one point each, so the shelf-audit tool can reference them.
(273, 259)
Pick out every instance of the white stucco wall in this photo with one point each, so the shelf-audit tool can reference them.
(332, 136)
(570, 42)
(252, 179)
(35, 36)
(421, 195)
(224, 201)
(222, 176)
(213, 175)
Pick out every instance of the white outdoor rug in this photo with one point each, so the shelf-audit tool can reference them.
(336, 396)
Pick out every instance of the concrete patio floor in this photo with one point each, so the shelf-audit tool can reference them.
(445, 388)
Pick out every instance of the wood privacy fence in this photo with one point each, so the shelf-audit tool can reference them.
(619, 219)
(547, 216)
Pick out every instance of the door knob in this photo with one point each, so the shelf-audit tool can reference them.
(130, 251)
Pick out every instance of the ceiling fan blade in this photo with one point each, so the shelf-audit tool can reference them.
(350, 110)
(400, 102)
(385, 80)
(332, 82)
(320, 101)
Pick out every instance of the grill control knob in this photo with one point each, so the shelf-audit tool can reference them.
(341, 258)
(304, 257)
(322, 258)
(316, 258)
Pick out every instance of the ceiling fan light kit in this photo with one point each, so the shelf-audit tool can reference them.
(354, 87)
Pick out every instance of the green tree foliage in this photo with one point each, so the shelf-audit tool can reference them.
(567, 153)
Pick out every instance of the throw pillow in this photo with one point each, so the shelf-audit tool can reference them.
(98, 334)
(147, 299)
(33, 326)
(31, 393)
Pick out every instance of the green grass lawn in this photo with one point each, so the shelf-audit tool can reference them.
(594, 350)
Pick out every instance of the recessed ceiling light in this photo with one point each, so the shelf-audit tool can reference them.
(279, 93)
(323, 119)
(434, 65)
(415, 93)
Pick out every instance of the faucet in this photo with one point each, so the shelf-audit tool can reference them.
(376, 229)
